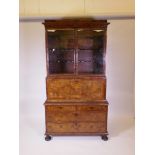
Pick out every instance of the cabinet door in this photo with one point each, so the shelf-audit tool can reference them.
(90, 45)
(61, 51)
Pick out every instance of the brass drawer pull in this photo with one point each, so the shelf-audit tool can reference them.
(75, 114)
(61, 126)
(91, 126)
(60, 107)
(76, 81)
(91, 108)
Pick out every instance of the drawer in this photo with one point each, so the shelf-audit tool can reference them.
(88, 116)
(61, 127)
(91, 116)
(81, 127)
(102, 108)
(61, 117)
(59, 108)
(91, 127)
(71, 113)
(73, 89)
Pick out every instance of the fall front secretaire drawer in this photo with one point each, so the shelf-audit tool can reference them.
(73, 89)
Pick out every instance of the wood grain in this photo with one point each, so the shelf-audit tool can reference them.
(76, 127)
(77, 118)
(76, 82)
(72, 89)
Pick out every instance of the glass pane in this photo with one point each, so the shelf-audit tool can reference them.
(85, 61)
(90, 51)
(61, 51)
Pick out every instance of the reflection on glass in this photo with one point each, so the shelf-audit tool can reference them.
(51, 30)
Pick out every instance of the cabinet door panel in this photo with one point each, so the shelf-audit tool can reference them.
(60, 51)
(91, 51)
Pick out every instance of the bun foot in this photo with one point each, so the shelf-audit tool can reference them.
(104, 137)
(48, 138)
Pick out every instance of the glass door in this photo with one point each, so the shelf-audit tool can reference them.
(90, 46)
(61, 51)
(79, 51)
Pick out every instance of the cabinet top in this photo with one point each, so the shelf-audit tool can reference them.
(76, 23)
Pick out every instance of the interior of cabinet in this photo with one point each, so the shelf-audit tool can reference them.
(75, 51)
(61, 51)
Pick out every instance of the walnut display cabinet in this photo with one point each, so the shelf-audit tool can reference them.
(76, 82)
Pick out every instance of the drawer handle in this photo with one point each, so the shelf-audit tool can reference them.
(76, 81)
(75, 114)
(91, 126)
(60, 107)
(61, 126)
(91, 108)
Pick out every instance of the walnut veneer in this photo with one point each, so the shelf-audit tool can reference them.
(76, 82)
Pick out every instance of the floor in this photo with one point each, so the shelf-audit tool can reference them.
(121, 139)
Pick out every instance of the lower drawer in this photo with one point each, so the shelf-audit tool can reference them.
(91, 127)
(91, 116)
(60, 127)
(76, 113)
(80, 127)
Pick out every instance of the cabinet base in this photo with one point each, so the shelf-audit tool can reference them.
(48, 137)
(104, 137)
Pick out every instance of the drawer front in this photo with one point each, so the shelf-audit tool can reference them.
(59, 108)
(72, 113)
(81, 127)
(76, 116)
(91, 116)
(61, 127)
(102, 108)
(81, 89)
(91, 127)
(61, 117)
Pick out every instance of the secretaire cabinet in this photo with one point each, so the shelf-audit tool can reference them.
(76, 82)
